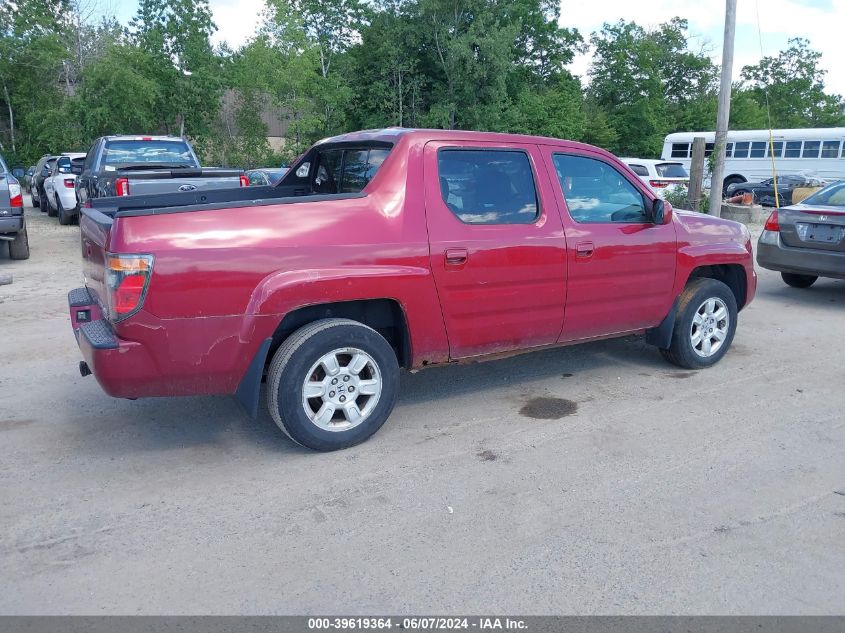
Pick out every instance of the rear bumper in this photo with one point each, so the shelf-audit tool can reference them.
(11, 223)
(115, 363)
(802, 261)
(165, 357)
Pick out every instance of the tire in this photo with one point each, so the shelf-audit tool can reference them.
(695, 300)
(36, 199)
(298, 360)
(19, 247)
(727, 182)
(65, 217)
(51, 212)
(798, 281)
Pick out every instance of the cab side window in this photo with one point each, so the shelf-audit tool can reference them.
(488, 186)
(596, 193)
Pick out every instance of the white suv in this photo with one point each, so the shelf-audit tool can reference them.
(60, 187)
(659, 175)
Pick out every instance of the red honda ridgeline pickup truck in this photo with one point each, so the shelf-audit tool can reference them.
(395, 248)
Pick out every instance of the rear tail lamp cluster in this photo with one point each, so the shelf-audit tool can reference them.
(772, 223)
(244, 181)
(771, 231)
(69, 182)
(15, 194)
(121, 186)
(127, 280)
(659, 184)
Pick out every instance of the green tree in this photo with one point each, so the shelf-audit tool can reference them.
(648, 82)
(794, 83)
(31, 54)
(175, 35)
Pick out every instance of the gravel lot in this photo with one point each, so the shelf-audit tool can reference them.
(590, 479)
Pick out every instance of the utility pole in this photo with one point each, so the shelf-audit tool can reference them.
(724, 109)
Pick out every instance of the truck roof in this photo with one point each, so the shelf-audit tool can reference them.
(393, 134)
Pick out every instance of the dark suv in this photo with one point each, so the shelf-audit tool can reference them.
(12, 221)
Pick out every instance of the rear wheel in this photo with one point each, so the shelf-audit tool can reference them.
(65, 217)
(19, 247)
(36, 200)
(45, 206)
(730, 180)
(332, 384)
(705, 324)
(798, 281)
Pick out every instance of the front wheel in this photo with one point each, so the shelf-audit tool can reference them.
(798, 281)
(705, 324)
(332, 384)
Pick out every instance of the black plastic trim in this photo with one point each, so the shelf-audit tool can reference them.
(79, 297)
(249, 388)
(99, 335)
(661, 336)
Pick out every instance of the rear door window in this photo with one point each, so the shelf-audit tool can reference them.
(132, 152)
(488, 186)
(671, 170)
(640, 170)
(342, 170)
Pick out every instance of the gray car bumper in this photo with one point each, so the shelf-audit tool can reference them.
(11, 223)
(803, 261)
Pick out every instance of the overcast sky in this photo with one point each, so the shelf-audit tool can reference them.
(820, 21)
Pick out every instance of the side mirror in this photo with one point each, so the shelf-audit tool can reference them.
(661, 212)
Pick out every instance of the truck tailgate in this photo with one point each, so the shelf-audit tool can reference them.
(180, 180)
(95, 228)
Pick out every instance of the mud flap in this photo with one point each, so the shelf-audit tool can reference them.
(661, 336)
(249, 389)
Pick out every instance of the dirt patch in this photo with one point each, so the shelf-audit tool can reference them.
(487, 456)
(566, 375)
(548, 408)
(682, 374)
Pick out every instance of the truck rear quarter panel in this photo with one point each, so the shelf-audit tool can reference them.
(224, 279)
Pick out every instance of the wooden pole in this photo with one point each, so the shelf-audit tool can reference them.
(696, 173)
(724, 113)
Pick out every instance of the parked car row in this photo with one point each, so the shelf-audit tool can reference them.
(122, 166)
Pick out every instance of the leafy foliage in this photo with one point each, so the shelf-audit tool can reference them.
(330, 66)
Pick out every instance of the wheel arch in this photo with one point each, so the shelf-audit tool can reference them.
(385, 315)
(732, 275)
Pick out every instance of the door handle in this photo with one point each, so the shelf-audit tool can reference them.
(584, 249)
(456, 256)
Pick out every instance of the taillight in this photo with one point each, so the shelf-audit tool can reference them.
(772, 223)
(69, 182)
(127, 279)
(15, 194)
(659, 184)
(244, 181)
(121, 186)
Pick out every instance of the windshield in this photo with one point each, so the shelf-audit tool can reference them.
(671, 170)
(118, 153)
(832, 195)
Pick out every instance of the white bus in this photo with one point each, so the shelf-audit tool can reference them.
(817, 152)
